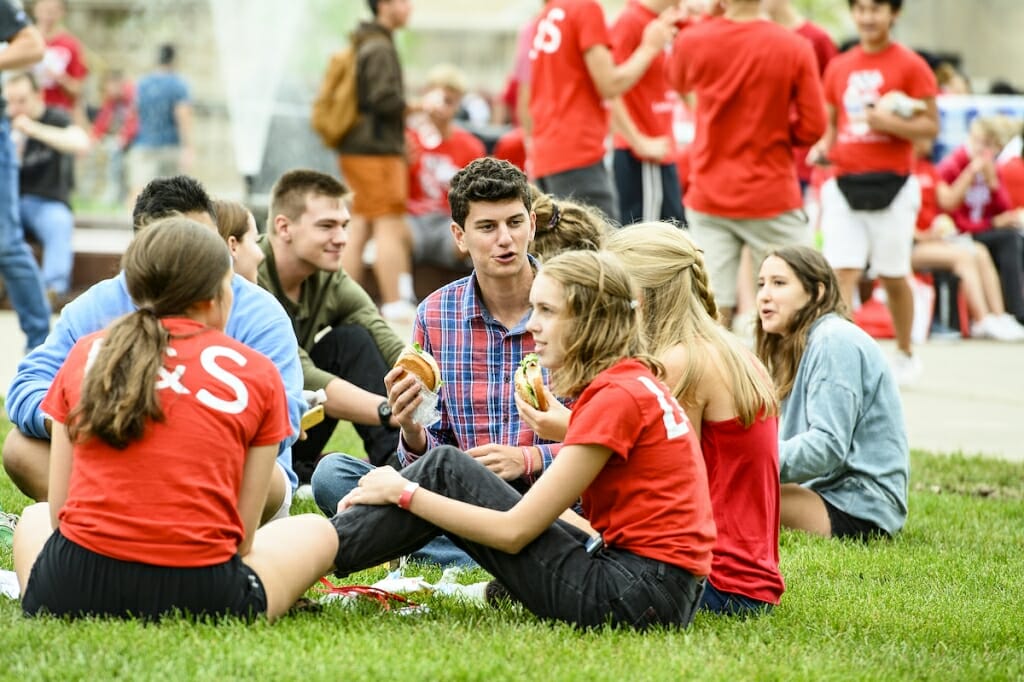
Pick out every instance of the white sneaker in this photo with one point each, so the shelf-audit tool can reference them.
(1011, 326)
(304, 492)
(403, 312)
(997, 328)
(905, 368)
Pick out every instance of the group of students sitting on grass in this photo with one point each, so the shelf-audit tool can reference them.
(682, 448)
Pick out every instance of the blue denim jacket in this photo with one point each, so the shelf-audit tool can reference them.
(841, 431)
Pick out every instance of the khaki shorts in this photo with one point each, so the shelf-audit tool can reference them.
(149, 163)
(380, 184)
(723, 238)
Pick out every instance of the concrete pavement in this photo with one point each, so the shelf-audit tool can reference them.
(970, 397)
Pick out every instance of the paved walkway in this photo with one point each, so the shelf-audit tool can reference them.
(970, 397)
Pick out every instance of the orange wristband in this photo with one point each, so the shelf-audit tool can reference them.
(407, 492)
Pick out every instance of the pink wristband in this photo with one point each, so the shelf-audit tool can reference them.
(405, 499)
(527, 462)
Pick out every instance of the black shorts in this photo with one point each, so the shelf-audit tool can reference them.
(70, 580)
(846, 526)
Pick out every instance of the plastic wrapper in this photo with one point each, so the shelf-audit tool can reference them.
(426, 413)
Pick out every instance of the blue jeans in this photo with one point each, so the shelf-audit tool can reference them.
(17, 265)
(554, 576)
(336, 474)
(730, 603)
(51, 222)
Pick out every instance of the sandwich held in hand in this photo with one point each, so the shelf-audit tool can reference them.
(422, 365)
(530, 382)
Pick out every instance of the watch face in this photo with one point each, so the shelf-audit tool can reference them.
(384, 412)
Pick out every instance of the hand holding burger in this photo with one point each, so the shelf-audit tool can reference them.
(529, 382)
(421, 364)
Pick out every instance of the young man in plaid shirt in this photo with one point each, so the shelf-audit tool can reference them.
(476, 330)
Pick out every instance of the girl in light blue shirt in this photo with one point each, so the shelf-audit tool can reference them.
(843, 452)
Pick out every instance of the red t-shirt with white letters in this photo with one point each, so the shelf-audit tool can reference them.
(651, 498)
(171, 498)
(570, 121)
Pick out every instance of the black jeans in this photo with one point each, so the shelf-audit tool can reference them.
(1007, 249)
(553, 576)
(347, 351)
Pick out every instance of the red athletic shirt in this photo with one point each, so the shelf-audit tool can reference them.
(824, 48)
(651, 498)
(171, 498)
(651, 101)
(928, 178)
(824, 51)
(433, 164)
(511, 147)
(856, 79)
(570, 121)
(1011, 176)
(63, 56)
(743, 474)
(750, 79)
(981, 203)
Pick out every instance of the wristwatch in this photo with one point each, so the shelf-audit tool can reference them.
(384, 413)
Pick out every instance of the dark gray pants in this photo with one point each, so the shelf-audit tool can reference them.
(590, 185)
(553, 576)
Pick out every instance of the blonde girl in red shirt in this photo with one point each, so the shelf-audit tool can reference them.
(165, 434)
(629, 452)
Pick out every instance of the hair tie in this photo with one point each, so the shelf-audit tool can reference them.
(556, 215)
(633, 303)
(147, 310)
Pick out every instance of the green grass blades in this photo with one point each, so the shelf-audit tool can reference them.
(941, 601)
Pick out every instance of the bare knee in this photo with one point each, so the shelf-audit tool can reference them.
(27, 463)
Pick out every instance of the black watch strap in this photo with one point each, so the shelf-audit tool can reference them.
(384, 413)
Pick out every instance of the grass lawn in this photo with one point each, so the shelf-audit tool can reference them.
(941, 601)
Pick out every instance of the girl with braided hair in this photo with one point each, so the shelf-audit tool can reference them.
(629, 451)
(563, 224)
(165, 434)
(730, 400)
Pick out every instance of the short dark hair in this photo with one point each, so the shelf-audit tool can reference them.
(165, 54)
(374, 5)
(288, 196)
(487, 179)
(896, 5)
(164, 197)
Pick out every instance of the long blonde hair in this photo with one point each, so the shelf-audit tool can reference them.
(679, 308)
(606, 326)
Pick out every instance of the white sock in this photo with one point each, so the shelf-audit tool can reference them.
(405, 288)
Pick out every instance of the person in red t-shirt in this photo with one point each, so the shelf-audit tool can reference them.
(438, 149)
(63, 69)
(137, 523)
(881, 97)
(758, 94)
(784, 14)
(937, 246)
(573, 72)
(630, 452)
(730, 400)
(646, 179)
(981, 206)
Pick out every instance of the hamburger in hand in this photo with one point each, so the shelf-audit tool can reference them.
(420, 364)
(530, 382)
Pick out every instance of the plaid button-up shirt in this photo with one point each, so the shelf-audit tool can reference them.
(477, 357)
